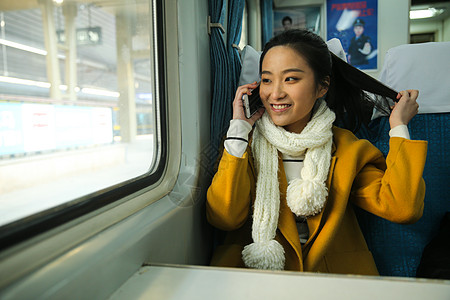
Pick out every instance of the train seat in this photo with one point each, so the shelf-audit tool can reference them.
(397, 249)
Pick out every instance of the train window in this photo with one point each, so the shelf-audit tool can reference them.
(79, 105)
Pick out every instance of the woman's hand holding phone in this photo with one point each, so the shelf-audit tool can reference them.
(238, 105)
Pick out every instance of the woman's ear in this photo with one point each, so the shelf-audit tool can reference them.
(323, 88)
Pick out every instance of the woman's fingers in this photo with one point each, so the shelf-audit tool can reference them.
(238, 106)
(408, 95)
(413, 94)
(258, 114)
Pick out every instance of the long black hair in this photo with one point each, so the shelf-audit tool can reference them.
(348, 88)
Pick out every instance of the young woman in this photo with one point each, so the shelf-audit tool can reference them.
(284, 190)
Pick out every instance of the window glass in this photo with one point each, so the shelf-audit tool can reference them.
(77, 100)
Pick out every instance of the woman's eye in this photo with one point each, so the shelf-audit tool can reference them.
(265, 80)
(291, 78)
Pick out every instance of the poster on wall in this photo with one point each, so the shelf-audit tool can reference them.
(296, 18)
(355, 24)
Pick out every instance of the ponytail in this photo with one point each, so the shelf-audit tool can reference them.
(348, 95)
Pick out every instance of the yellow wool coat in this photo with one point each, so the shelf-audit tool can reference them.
(391, 188)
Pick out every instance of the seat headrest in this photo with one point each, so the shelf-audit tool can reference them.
(250, 65)
(424, 67)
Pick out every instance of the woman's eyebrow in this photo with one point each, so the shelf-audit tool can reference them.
(285, 71)
(293, 70)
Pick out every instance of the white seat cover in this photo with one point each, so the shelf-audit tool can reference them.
(425, 67)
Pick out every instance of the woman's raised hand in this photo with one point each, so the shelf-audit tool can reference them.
(405, 109)
(238, 104)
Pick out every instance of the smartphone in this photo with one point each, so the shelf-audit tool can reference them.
(252, 103)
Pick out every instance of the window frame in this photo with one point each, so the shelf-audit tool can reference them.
(27, 228)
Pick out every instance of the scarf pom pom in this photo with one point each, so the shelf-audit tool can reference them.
(268, 255)
(306, 197)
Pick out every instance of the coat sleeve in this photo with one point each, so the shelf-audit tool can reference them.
(229, 197)
(394, 191)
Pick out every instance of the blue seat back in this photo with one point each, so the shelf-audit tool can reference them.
(397, 249)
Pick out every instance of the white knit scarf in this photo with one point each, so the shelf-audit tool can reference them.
(305, 196)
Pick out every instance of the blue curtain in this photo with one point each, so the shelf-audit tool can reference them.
(219, 79)
(235, 12)
(266, 20)
(225, 69)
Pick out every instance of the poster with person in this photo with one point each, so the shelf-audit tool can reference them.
(355, 24)
(296, 18)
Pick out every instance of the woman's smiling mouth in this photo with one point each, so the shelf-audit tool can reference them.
(280, 107)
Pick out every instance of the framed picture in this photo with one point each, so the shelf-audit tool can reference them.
(296, 18)
(355, 24)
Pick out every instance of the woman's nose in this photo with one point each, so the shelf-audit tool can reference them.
(277, 92)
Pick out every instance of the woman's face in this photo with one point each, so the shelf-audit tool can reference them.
(288, 88)
(358, 30)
